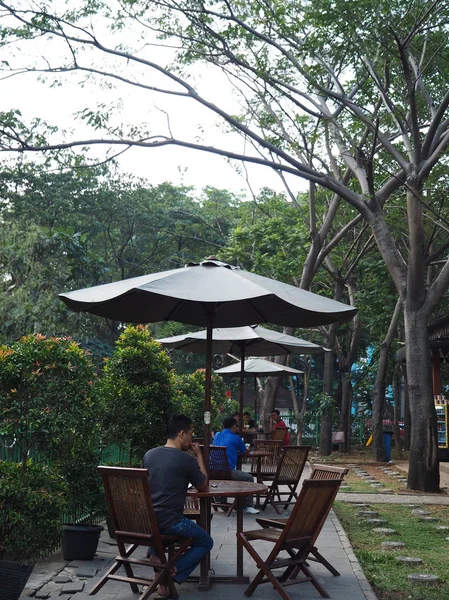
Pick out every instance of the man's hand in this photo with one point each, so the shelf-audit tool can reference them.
(195, 447)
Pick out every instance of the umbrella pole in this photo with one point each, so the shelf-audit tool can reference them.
(242, 382)
(208, 387)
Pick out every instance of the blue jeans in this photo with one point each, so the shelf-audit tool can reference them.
(201, 545)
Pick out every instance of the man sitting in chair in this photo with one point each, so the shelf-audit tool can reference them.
(235, 446)
(171, 470)
(278, 422)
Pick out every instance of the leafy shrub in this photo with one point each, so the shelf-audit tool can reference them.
(31, 503)
(45, 384)
(136, 392)
(189, 399)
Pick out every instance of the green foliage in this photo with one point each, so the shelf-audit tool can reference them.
(189, 398)
(324, 404)
(45, 385)
(136, 392)
(31, 504)
(85, 498)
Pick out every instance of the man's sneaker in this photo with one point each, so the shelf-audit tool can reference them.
(250, 510)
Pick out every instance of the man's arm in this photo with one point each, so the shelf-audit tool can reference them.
(199, 458)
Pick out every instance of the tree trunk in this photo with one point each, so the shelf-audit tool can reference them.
(396, 399)
(326, 418)
(346, 396)
(407, 418)
(423, 473)
(379, 386)
(269, 397)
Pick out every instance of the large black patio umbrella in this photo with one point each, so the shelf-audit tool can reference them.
(210, 293)
(252, 340)
(257, 367)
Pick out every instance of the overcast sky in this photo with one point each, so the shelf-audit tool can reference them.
(187, 120)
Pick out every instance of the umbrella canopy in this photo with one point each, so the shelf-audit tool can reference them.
(241, 341)
(252, 340)
(209, 293)
(258, 367)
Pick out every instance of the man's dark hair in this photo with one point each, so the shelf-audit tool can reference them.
(276, 411)
(176, 424)
(235, 414)
(229, 422)
(246, 413)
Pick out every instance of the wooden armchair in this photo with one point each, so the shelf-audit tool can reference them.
(319, 472)
(131, 509)
(297, 538)
(218, 468)
(288, 473)
(279, 434)
(268, 464)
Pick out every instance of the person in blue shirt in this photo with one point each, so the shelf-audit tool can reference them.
(235, 446)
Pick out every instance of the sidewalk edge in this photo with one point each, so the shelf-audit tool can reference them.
(365, 585)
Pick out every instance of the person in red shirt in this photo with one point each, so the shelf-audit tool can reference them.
(278, 422)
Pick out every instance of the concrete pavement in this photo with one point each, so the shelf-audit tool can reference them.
(71, 581)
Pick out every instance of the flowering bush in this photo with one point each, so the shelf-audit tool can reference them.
(45, 385)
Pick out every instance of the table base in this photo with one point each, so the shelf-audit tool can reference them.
(205, 584)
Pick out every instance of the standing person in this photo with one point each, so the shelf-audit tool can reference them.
(171, 471)
(235, 446)
(278, 422)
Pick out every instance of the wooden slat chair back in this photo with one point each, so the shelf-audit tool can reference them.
(279, 434)
(297, 538)
(327, 472)
(218, 468)
(288, 473)
(268, 464)
(319, 472)
(131, 508)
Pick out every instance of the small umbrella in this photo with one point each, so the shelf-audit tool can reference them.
(210, 293)
(240, 341)
(258, 367)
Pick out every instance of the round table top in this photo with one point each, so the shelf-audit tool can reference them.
(229, 487)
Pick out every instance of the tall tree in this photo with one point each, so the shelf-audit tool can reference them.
(368, 79)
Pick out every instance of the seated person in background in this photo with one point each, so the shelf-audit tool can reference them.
(276, 422)
(171, 470)
(248, 423)
(235, 446)
(237, 416)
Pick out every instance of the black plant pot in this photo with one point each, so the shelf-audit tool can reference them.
(80, 542)
(13, 578)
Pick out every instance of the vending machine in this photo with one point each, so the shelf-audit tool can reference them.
(441, 408)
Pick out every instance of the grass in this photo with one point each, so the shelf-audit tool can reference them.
(422, 539)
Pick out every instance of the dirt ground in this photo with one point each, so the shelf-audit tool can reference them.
(444, 472)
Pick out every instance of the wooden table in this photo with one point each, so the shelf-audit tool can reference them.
(234, 489)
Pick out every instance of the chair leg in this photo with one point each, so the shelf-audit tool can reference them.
(320, 558)
(314, 581)
(128, 569)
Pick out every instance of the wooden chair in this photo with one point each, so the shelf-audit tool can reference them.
(218, 468)
(268, 464)
(297, 538)
(288, 473)
(131, 509)
(319, 472)
(279, 434)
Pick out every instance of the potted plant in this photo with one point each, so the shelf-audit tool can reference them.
(86, 504)
(31, 504)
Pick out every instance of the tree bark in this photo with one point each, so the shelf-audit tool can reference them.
(379, 385)
(328, 372)
(423, 473)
